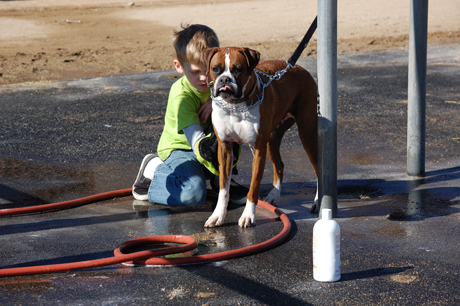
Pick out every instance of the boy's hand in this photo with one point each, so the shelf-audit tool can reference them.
(205, 111)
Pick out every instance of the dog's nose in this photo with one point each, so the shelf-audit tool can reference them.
(224, 80)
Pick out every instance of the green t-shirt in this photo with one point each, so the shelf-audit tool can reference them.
(182, 111)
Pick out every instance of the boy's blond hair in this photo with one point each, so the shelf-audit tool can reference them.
(191, 41)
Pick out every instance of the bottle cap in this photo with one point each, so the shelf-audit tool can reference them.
(326, 214)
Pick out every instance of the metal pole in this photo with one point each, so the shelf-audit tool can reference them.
(327, 120)
(417, 88)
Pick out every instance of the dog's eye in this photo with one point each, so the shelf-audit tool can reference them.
(215, 69)
(238, 70)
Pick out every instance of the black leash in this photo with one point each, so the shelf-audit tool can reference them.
(303, 44)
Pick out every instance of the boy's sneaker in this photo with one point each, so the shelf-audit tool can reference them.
(238, 193)
(142, 184)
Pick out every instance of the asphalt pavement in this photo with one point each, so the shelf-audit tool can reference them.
(400, 235)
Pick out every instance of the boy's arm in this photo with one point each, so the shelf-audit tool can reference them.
(193, 133)
(204, 146)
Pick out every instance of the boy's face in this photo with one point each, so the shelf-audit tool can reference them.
(196, 75)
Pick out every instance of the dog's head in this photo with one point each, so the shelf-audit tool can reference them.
(230, 72)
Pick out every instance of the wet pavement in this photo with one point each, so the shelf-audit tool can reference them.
(399, 235)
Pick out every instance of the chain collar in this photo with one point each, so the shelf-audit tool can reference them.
(235, 108)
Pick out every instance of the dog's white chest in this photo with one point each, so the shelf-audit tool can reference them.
(236, 127)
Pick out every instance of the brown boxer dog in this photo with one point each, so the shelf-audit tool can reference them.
(250, 109)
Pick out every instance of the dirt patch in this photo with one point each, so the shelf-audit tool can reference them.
(52, 40)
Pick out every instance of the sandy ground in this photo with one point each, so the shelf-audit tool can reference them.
(60, 39)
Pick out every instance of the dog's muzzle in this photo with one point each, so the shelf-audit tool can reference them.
(226, 87)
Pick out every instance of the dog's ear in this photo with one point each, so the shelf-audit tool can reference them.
(252, 56)
(207, 55)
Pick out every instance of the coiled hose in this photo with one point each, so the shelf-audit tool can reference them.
(147, 257)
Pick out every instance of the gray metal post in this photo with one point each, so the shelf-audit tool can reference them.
(327, 120)
(417, 88)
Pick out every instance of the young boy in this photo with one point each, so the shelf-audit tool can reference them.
(175, 176)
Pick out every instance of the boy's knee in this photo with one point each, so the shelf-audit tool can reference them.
(194, 195)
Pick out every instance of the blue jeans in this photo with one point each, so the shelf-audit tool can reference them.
(180, 180)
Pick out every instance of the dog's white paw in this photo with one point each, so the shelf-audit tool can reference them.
(246, 221)
(248, 218)
(215, 220)
(273, 197)
(218, 216)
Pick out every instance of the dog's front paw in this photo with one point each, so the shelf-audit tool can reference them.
(215, 220)
(218, 215)
(246, 221)
(248, 217)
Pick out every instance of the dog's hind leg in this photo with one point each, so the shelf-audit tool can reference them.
(308, 133)
(273, 151)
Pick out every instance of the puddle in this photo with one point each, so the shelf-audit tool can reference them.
(26, 183)
(164, 220)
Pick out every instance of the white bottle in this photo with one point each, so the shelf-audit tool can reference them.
(326, 248)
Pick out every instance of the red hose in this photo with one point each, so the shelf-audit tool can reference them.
(147, 257)
(66, 204)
